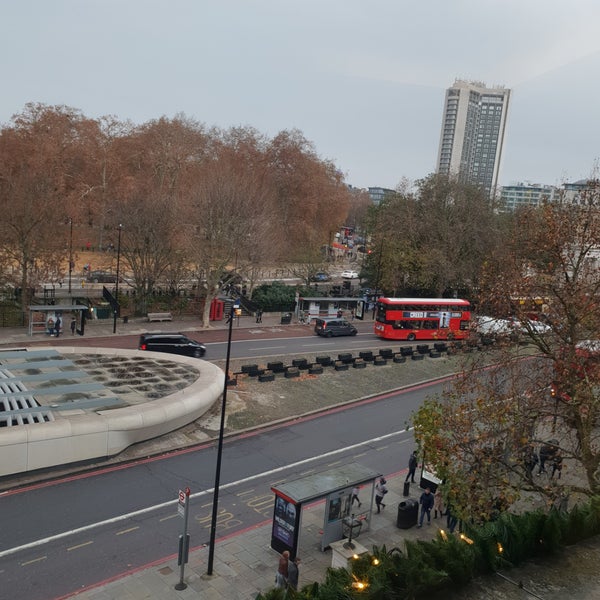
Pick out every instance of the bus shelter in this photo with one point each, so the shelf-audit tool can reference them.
(43, 316)
(335, 485)
(325, 306)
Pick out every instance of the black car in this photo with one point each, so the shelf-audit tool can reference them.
(173, 343)
(102, 277)
(330, 326)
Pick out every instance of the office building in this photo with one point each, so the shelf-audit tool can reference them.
(473, 125)
(519, 195)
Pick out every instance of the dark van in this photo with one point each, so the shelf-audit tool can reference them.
(330, 326)
(173, 343)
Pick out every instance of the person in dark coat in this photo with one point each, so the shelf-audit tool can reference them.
(426, 502)
(557, 464)
(413, 463)
(57, 326)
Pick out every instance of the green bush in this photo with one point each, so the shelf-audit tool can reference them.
(275, 297)
(451, 562)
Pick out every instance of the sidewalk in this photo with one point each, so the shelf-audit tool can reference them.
(245, 564)
(271, 323)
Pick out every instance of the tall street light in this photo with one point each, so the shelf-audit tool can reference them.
(70, 252)
(213, 524)
(116, 308)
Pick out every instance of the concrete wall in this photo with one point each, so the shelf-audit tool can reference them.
(82, 435)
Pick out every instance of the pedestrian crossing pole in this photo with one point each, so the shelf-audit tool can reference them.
(184, 539)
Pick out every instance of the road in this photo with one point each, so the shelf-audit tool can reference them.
(63, 535)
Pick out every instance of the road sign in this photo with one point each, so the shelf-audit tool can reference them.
(181, 505)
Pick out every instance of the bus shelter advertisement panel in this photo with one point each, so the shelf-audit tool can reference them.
(286, 524)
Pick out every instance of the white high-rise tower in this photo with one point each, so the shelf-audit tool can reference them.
(473, 126)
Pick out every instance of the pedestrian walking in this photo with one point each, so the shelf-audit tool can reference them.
(293, 573)
(451, 520)
(413, 463)
(557, 464)
(355, 491)
(73, 325)
(530, 459)
(57, 325)
(380, 491)
(352, 314)
(438, 503)
(281, 577)
(426, 502)
(546, 453)
(259, 315)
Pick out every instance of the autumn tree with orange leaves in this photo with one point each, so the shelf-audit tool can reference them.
(479, 436)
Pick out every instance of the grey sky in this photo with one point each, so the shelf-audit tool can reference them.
(362, 79)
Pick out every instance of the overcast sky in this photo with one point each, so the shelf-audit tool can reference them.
(364, 80)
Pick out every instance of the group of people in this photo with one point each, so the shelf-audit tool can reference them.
(549, 454)
(287, 572)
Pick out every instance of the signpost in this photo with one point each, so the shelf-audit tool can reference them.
(183, 508)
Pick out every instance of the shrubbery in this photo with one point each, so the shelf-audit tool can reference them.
(452, 561)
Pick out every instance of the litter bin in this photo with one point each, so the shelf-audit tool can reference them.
(408, 513)
(286, 318)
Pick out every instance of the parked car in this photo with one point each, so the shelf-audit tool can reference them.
(173, 343)
(349, 275)
(330, 326)
(321, 276)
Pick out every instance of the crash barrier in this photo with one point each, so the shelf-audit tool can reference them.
(345, 360)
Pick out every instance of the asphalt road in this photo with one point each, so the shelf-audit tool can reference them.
(103, 523)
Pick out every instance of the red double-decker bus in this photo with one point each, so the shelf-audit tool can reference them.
(422, 318)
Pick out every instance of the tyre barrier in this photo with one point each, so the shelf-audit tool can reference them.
(345, 357)
(379, 361)
(440, 346)
(231, 381)
(434, 354)
(359, 363)
(406, 350)
(256, 373)
(301, 363)
(276, 367)
(386, 353)
(267, 376)
(341, 366)
(324, 360)
(249, 368)
(366, 355)
(418, 356)
(315, 370)
(398, 358)
(292, 372)
(423, 348)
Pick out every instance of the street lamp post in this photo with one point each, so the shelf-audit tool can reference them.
(213, 524)
(70, 252)
(116, 308)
